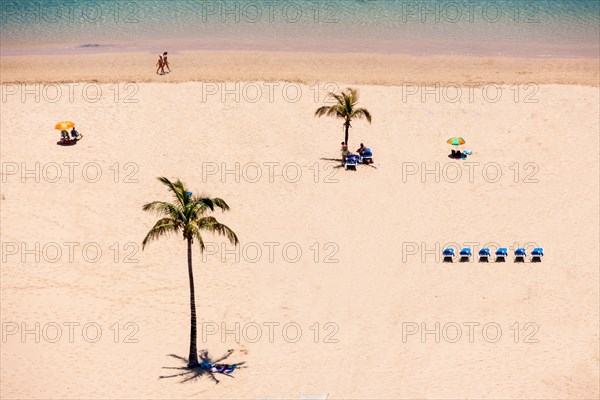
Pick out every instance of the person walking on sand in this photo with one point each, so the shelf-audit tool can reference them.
(160, 64)
(165, 62)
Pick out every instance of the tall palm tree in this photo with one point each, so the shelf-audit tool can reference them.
(187, 215)
(345, 108)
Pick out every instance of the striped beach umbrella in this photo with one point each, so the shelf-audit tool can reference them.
(456, 141)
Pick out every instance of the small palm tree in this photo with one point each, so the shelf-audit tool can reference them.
(187, 215)
(345, 108)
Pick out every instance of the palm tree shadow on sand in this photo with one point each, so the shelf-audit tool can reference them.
(197, 372)
(340, 161)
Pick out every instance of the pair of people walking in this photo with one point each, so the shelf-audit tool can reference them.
(162, 63)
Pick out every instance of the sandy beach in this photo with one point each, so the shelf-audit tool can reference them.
(240, 66)
(338, 273)
(337, 288)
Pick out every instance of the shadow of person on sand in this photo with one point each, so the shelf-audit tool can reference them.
(337, 160)
(69, 142)
(190, 373)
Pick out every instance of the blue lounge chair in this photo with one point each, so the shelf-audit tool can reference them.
(448, 254)
(537, 254)
(225, 368)
(501, 254)
(351, 161)
(484, 254)
(465, 254)
(520, 254)
(366, 156)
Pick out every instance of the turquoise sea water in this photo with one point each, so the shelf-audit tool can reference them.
(537, 28)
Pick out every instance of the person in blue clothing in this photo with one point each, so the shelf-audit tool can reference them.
(74, 133)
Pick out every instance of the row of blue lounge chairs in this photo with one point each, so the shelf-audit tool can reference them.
(500, 255)
(352, 160)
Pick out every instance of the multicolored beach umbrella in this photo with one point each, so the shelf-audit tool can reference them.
(456, 141)
(64, 125)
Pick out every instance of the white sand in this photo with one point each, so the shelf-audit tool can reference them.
(371, 215)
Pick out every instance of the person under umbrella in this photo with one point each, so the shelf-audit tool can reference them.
(455, 141)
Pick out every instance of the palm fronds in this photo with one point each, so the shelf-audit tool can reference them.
(186, 214)
(344, 108)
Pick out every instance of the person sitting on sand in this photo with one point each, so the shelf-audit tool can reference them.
(165, 62)
(160, 64)
(345, 152)
(64, 135)
(74, 133)
(361, 149)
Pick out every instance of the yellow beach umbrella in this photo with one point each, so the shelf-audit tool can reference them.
(64, 125)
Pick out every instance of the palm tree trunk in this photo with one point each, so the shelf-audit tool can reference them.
(347, 124)
(193, 358)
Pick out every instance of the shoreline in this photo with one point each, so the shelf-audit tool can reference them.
(301, 67)
(90, 49)
(432, 48)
